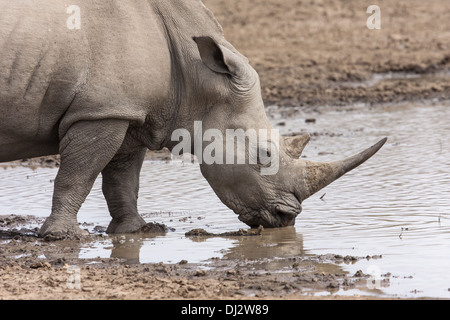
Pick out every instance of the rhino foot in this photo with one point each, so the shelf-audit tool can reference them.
(52, 230)
(130, 225)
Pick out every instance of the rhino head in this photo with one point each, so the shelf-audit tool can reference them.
(273, 199)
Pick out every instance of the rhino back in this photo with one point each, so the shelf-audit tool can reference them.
(31, 99)
(116, 65)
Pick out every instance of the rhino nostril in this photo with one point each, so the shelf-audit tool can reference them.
(285, 216)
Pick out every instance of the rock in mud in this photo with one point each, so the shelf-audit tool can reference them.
(239, 233)
(14, 233)
(153, 227)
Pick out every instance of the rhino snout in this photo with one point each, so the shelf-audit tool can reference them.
(278, 216)
(286, 217)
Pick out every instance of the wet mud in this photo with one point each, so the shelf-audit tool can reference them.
(239, 233)
(35, 268)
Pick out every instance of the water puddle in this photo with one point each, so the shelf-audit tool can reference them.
(396, 205)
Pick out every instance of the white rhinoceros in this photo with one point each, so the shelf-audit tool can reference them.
(101, 81)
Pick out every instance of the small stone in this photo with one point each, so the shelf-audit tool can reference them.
(231, 272)
(200, 273)
(359, 273)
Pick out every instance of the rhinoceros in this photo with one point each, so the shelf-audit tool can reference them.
(102, 81)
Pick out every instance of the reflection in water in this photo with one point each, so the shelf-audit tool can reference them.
(279, 243)
(273, 243)
(396, 204)
(128, 247)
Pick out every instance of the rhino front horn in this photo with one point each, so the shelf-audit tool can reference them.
(316, 176)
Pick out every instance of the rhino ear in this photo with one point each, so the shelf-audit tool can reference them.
(216, 57)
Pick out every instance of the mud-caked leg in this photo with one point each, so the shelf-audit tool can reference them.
(120, 188)
(86, 148)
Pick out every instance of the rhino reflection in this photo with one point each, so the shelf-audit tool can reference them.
(128, 247)
(274, 243)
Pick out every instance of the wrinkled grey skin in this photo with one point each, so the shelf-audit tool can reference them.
(134, 72)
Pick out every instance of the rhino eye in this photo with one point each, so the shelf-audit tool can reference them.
(264, 156)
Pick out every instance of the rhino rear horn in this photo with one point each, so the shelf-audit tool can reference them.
(296, 144)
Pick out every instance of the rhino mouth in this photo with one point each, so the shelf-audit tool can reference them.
(278, 217)
(286, 217)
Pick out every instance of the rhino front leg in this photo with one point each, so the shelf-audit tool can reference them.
(120, 188)
(86, 148)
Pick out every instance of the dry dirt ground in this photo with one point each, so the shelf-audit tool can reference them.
(308, 53)
(315, 53)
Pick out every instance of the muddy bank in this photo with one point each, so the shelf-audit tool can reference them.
(314, 53)
(34, 268)
(111, 280)
(201, 233)
(54, 161)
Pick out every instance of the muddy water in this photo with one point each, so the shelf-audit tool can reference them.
(396, 205)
